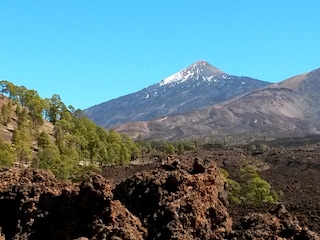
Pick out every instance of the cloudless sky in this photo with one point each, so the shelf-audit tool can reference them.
(89, 52)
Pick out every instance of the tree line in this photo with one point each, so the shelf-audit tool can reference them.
(72, 144)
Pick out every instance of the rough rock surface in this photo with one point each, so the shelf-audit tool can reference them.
(35, 205)
(170, 202)
(277, 223)
(176, 204)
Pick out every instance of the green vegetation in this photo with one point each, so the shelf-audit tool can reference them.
(72, 146)
(6, 113)
(7, 154)
(168, 148)
(250, 189)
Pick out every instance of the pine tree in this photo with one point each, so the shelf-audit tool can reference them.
(6, 113)
(255, 189)
(180, 148)
(7, 155)
(43, 140)
(251, 189)
(22, 137)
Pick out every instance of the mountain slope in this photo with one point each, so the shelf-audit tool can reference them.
(197, 86)
(290, 107)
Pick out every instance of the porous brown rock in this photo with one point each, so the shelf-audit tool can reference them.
(35, 205)
(277, 223)
(176, 204)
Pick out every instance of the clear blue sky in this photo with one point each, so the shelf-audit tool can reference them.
(92, 51)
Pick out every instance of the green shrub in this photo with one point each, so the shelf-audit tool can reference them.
(251, 188)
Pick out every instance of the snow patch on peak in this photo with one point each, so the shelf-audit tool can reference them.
(178, 77)
(200, 70)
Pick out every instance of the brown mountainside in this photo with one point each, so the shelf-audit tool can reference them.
(288, 108)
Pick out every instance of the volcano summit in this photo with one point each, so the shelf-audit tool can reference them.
(197, 86)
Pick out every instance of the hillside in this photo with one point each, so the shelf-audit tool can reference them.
(44, 133)
(6, 131)
(285, 109)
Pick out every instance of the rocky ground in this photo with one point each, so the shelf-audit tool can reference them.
(294, 173)
(182, 197)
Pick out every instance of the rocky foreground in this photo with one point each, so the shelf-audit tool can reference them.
(170, 202)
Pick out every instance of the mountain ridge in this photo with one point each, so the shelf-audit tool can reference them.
(288, 108)
(194, 87)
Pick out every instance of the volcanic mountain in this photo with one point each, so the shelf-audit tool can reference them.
(288, 108)
(195, 87)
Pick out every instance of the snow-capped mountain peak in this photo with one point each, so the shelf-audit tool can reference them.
(197, 86)
(200, 70)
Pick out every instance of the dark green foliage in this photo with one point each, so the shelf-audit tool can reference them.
(7, 154)
(81, 142)
(251, 188)
(180, 148)
(76, 142)
(48, 158)
(35, 104)
(6, 113)
(255, 189)
(55, 108)
(43, 140)
(6, 88)
(22, 136)
(169, 148)
(234, 188)
(234, 191)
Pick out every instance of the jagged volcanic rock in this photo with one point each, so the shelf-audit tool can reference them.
(34, 205)
(176, 204)
(278, 223)
(182, 202)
